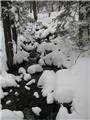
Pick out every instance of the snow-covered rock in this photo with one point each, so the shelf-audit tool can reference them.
(46, 81)
(41, 62)
(18, 78)
(28, 47)
(34, 68)
(31, 82)
(36, 110)
(48, 31)
(19, 113)
(38, 33)
(20, 56)
(7, 80)
(64, 90)
(8, 102)
(27, 77)
(6, 114)
(50, 98)
(73, 85)
(16, 93)
(1, 94)
(46, 47)
(62, 113)
(6, 93)
(21, 70)
(27, 88)
(55, 58)
(36, 95)
(10, 90)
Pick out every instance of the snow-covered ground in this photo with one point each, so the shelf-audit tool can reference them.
(11, 115)
(63, 86)
(69, 85)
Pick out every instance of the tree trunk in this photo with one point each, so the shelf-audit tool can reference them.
(7, 33)
(37, 7)
(35, 10)
(31, 6)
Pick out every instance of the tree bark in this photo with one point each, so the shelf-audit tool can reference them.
(7, 33)
(35, 10)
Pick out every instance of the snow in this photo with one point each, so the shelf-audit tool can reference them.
(34, 68)
(21, 70)
(55, 58)
(64, 87)
(18, 78)
(8, 102)
(46, 82)
(1, 94)
(50, 98)
(6, 93)
(7, 80)
(44, 46)
(46, 32)
(73, 85)
(16, 93)
(31, 82)
(41, 62)
(36, 95)
(28, 47)
(27, 77)
(3, 57)
(27, 88)
(10, 90)
(36, 110)
(20, 56)
(62, 113)
(0, 105)
(19, 113)
(6, 114)
(68, 85)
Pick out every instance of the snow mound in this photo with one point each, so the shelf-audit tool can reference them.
(27, 77)
(7, 80)
(6, 114)
(55, 58)
(64, 90)
(28, 47)
(18, 78)
(46, 47)
(41, 62)
(49, 30)
(19, 113)
(50, 98)
(62, 113)
(36, 95)
(20, 56)
(27, 88)
(36, 110)
(16, 93)
(46, 82)
(31, 82)
(8, 102)
(73, 85)
(1, 94)
(21, 70)
(34, 68)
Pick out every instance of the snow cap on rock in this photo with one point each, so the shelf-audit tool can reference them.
(34, 68)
